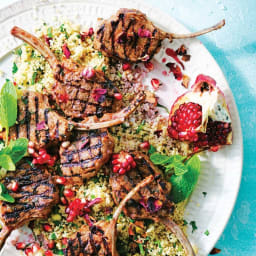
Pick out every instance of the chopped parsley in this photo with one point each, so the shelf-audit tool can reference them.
(49, 32)
(33, 80)
(100, 54)
(14, 68)
(104, 69)
(193, 225)
(119, 74)
(204, 193)
(18, 51)
(207, 233)
(140, 127)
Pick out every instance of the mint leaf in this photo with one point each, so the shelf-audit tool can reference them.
(18, 149)
(4, 196)
(14, 68)
(49, 32)
(8, 105)
(183, 185)
(159, 159)
(179, 168)
(7, 163)
(151, 150)
(207, 233)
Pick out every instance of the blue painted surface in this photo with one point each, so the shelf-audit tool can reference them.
(234, 48)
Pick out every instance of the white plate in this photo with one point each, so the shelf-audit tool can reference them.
(221, 172)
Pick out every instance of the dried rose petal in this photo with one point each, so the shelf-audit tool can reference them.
(41, 126)
(182, 50)
(175, 69)
(88, 73)
(99, 94)
(94, 201)
(63, 97)
(185, 81)
(66, 51)
(85, 142)
(170, 52)
(186, 57)
(144, 33)
(47, 40)
(149, 65)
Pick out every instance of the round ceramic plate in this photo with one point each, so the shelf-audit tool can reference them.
(221, 171)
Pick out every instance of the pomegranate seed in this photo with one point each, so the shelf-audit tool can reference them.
(15, 186)
(64, 241)
(34, 161)
(88, 73)
(133, 164)
(116, 168)
(51, 244)
(126, 66)
(155, 83)
(122, 162)
(48, 253)
(63, 200)
(90, 32)
(20, 246)
(163, 60)
(61, 180)
(28, 252)
(47, 228)
(68, 192)
(122, 171)
(215, 148)
(63, 98)
(35, 248)
(118, 96)
(145, 145)
(51, 162)
(70, 218)
(149, 65)
(115, 161)
(164, 73)
(42, 151)
(66, 51)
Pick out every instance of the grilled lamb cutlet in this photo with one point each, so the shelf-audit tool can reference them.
(34, 198)
(100, 238)
(36, 121)
(151, 202)
(84, 96)
(130, 36)
(84, 156)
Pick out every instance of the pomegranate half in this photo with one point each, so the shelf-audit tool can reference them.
(201, 116)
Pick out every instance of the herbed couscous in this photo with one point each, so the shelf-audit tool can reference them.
(31, 71)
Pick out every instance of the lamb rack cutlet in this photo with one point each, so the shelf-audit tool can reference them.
(37, 122)
(100, 238)
(89, 95)
(129, 35)
(151, 202)
(85, 154)
(34, 198)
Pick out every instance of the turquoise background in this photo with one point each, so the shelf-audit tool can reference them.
(234, 48)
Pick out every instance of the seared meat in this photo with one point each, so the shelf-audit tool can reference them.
(151, 202)
(83, 157)
(34, 198)
(100, 238)
(36, 121)
(78, 94)
(130, 36)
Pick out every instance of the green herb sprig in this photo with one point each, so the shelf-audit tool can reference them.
(184, 173)
(4, 196)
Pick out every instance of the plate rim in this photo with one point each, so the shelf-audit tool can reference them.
(15, 8)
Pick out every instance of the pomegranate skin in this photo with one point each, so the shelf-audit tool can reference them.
(201, 116)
